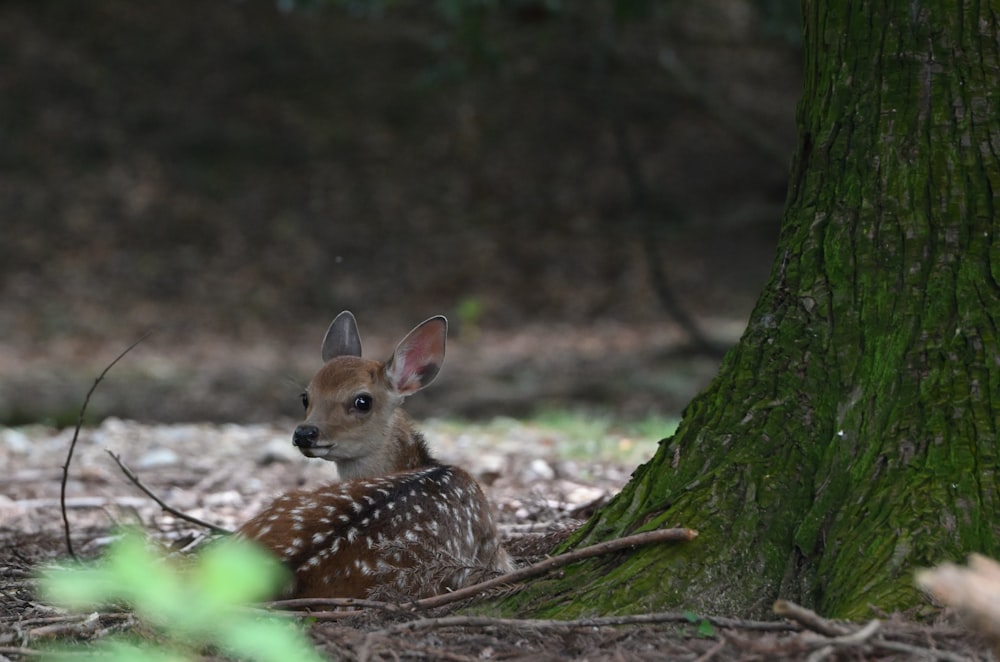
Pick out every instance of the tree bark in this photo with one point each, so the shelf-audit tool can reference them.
(851, 436)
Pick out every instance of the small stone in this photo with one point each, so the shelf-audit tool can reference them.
(537, 470)
(276, 451)
(158, 457)
(15, 440)
(227, 498)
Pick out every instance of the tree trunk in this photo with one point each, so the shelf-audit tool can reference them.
(851, 435)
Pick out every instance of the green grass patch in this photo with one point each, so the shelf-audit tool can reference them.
(566, 434)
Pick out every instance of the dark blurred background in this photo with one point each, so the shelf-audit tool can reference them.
(590, 191)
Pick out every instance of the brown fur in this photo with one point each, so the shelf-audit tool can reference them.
(400, 522)
(347, 539)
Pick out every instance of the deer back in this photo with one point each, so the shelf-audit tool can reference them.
(405, 535)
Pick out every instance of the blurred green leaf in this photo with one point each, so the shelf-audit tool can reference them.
(76, 587)
(116, 650)
(267, 640)
(143, 578)
(234, 572)
(192, 605)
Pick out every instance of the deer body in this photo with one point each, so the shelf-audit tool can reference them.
(400, 522)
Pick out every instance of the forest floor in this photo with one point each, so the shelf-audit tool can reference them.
(543, 476)
(233, 182)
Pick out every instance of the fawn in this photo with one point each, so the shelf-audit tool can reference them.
(400, 522)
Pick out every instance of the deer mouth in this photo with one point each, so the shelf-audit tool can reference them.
(316, 449)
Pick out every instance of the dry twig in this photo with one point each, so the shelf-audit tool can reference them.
(809, 619)
(173, 511)
(594, 622)
(21, 651)
(549, 564)
(534, 570)
(76, 435)
(352, 604)
(713, 651)
(81, 626)
(838, 635)
(827, 646)
(424, 624)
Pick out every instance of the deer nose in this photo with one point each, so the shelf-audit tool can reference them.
(305, 436)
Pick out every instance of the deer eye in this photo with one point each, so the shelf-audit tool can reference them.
(305, 400)
(362, 403)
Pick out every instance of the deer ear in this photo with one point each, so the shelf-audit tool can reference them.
(418, 357)
(342, 337)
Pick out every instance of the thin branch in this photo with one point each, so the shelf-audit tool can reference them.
(809, 619)
(859, 636)
(841, 634)
(647, 210)
(64, 618)
(81, 627)
(534, 570)
(173, 511)
(21, 651)
(642, 203)
(76, 435)
(347, 603)
(866, 635)
(728, 116)
(549, 564)
(324, 615)
(918, 652)
(713, 651)
(596, 622)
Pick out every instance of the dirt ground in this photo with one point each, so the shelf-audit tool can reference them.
(224, 473)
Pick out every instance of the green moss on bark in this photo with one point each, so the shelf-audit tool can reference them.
(851, 436)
